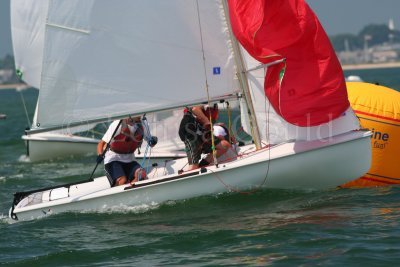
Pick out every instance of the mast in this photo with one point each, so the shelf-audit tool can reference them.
(241, 74)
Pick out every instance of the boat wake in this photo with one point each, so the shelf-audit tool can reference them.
(4, 219)
(124, 209)
(24, 158)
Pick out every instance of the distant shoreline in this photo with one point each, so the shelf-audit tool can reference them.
(371, 66)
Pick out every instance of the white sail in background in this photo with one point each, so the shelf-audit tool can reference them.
(100, 64)
(165, 126)
(28, 19)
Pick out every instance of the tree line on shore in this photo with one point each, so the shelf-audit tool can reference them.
(7, 62)
(373, 34)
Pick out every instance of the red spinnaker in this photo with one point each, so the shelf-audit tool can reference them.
(312, 90)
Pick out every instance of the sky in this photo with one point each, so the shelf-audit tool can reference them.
(336, 16)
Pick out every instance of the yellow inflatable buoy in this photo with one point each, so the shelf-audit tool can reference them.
(378, 109)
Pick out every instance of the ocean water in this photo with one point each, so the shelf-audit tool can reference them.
(267, 228)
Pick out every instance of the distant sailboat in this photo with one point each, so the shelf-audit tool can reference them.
(28, 20)
(353, 78)
(28, 33)
(165, 55)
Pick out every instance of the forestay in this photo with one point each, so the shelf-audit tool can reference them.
(143, 56)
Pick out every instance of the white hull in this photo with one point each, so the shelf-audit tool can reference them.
(320, 164)
(49, 146)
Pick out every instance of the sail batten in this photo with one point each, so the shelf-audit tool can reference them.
(67, 28)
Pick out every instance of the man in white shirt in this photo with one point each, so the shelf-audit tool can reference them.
(119, 160)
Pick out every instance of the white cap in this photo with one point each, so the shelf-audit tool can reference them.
(219, 130)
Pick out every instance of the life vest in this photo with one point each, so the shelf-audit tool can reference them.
(126, 142)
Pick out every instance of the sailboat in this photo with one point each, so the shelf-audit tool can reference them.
(28, 34)
(167, 55)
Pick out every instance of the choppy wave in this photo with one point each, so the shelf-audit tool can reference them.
(124, 209)
(269, 227)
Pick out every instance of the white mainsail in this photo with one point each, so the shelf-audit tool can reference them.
(100, 64)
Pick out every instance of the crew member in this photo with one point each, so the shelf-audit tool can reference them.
(119, 160)
(194, 131)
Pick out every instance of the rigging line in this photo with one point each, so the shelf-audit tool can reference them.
(252, 130)
(267, 129)
(155, 173)
(267, 134)
(146, 127)
(214, 152)
(26, 111)
(257, 188)
(148, 162)
(165, 167)
(233, 189)
(229, 120)
(145, 155)
(140, 178)
(232, 137)
(95, 132)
